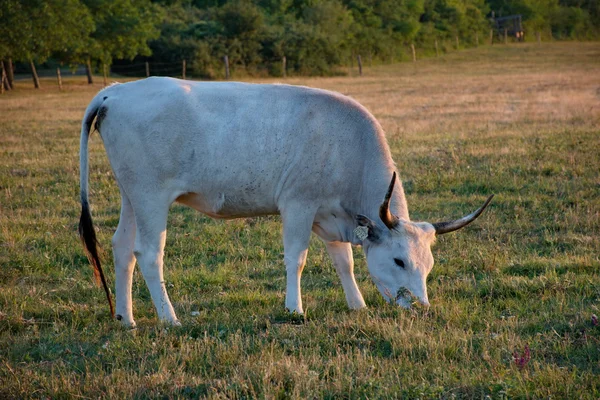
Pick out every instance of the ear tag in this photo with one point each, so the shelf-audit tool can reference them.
(361, 232)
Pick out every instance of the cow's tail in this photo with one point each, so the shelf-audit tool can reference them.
(86, 226)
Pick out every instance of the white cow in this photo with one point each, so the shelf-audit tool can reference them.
(230, 150)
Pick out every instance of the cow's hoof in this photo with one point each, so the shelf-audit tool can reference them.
(357, 305)
(297, 311)
(295, 318)
(126, 322)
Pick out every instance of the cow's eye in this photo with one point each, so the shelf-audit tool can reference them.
(399, 262)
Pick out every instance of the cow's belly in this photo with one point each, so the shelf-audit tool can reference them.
(227, 205)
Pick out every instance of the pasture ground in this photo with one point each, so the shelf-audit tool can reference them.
(521, 121)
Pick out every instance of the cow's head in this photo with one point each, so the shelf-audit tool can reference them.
(399, 256)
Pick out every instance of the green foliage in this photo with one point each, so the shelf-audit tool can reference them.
(319, 40)
(571, 23)
(562, 19)
(446, 19)
(242, 26)
(73, 30)
(35, 29)
(319, 35)
(123, 28)
(315, 36)
(382, 27)
(313, 42)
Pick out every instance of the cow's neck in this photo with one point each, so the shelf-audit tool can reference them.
(377, 174)
(378, 187)
(366, 196)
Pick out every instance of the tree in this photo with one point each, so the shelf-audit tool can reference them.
(446, 19)
(33, 29)
(384, 26)
(187, 33)
(242, 28)
(123, 29)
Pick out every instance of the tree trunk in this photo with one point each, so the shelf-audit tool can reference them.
(34, 75)
(2, 80)
(10, 73)
(88, 71)
(5, 83)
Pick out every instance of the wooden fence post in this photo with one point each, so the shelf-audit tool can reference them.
(59, 79)
(505, 35)
(36, 79)
(414, 53)
(226, 62)
(476, 39)
(284, 66)
(88, 71)
(538, 36)
(105, 74)
(359, 65)
(456, 37)
(437, 50)
(183, 70)
(491, 37)
(147, 69)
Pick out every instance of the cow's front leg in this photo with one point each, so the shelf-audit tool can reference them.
(297, 225)
(341, 255)
(150, 239)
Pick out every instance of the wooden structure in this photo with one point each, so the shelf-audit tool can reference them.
(511, 26)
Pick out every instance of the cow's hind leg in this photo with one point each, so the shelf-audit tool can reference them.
(297, 226)
(151, 232)
(341, 255)
(122, 243)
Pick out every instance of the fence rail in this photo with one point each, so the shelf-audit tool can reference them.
(179, 68)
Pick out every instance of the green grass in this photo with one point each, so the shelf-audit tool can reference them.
(520, 121)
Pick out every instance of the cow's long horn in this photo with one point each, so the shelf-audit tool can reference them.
(450, 226)
(389, 219)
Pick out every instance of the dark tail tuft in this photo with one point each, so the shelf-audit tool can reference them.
(86, 226)
(90, 244)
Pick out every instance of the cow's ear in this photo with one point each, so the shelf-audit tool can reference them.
(367, 229)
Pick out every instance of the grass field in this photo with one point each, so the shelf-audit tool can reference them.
(520, 121)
